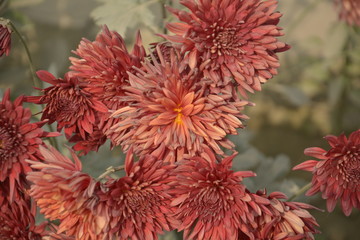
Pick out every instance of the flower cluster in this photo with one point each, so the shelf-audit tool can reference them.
(171, 111)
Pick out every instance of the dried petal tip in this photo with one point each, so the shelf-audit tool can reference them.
(337, 173)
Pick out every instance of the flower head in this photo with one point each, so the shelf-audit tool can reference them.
(237, 40)
(63, 192)
(287, 220)
(19, 140)
(67, 103)
(104, 63)
(5, 37)
(138, 204)
(17, 218)
(349, 10)
(337, 174)
(171, 112)
(211, 202)
(91, 142)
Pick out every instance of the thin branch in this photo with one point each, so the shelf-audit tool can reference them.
(299, 192)
(110, 170)
(34, 78)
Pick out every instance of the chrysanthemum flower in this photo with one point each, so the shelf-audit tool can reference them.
(211, 202)
(67, 103)
(5, 37)
(349, 10)
(171, 112)
(17, 218)
(236, 39)
(104, 63)
(138, 204)
(91, 142)
(337, 174)
(63, 192)
(288, 220)
(19, 140)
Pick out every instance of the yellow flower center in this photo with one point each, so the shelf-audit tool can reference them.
(178, 118)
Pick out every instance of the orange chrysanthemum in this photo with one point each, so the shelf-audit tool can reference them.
(138, 204)
(63, 192)
(236, 39)
(19, 140)
(211, 202)
(5, 37)
(67, 103)
(349, 11)
(287, 221)
(171, 112)
(337, 174)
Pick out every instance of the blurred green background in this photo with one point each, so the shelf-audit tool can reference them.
(316, 93)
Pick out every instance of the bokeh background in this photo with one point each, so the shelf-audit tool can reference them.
(316, 93)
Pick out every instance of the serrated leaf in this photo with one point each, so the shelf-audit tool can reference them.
(125, 14)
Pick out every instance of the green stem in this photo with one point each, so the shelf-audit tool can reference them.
(110, 170)
(34, 78)
(299, 192)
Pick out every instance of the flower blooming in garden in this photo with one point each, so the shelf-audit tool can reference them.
(5, 37)
(237, 40)
(170, 112)
(211, 202)
(349, 10)
(288, 220)
(135, 206)
(67, 103)
(337, 173)
(63, 192)
(104, 63)
(138, 204)
(19, 140)
(17, 218)
(91, 142)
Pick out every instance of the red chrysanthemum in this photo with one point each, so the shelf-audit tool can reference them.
(138, 204)
(349, 10)
(17, 218)
(19, 140)
(63, 192)
(171, 112)
(211, 202)
(236, 39)
(5, 37)
(337, 174)
(287, 221)
(91, 142)
(104, 64)
(67, 103)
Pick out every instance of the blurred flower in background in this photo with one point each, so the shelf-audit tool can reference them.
(349, 10)
(5, 37)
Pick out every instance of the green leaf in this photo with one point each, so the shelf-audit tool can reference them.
(125, 14)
